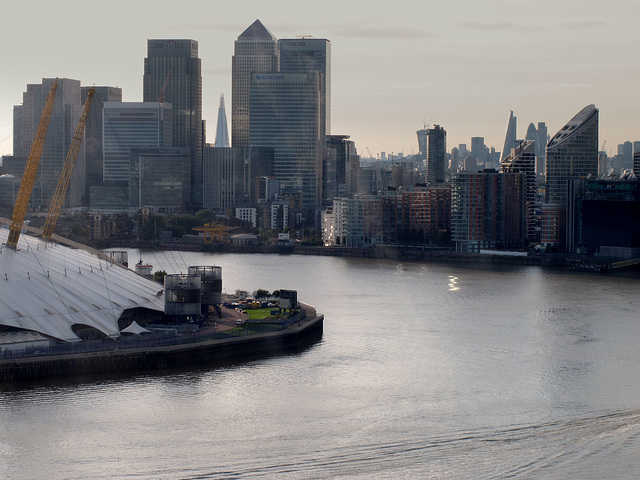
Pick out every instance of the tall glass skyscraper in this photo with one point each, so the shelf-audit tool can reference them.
(172, 74)
(303, 55)
(255, 50)
(285, 116)
(132, 124)
(67, 109)
(436, 152)
(572, 153)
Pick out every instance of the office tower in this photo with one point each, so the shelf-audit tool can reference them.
(523, 160)
(285, 113)
(132, 124)
(436, 150)
(342, 168)
(422, 143)
(304, 55)
(572, 153)
(541, 148)
(159, 177)
(255, 50)
(232, 176)
(455, 160)
(93, 132)
(172, 74)
(636, 164)
(222, 132)
(625, 150)
(510, 136)
(67, 109)
(479, 150)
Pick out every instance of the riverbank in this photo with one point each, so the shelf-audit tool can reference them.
(294, 338)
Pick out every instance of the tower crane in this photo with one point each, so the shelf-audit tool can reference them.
(30, 170)
(164, 86)
(65, 176)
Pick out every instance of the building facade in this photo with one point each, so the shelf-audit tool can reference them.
(436, 155)
(172, 74)
(132, 124)
(285, 116)
(255, 50)
(305, 55)
(67, 109)
(487, 211)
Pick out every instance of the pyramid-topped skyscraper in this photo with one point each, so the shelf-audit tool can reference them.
(255, 50)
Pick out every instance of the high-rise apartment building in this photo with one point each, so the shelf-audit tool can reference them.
(522, 160)
(436, 154)
(132, 124)
(255, 50)
(172, 74)
(487, 210)
(285, 115)
(572, 153)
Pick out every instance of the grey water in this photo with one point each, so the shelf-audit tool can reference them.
(424, 371)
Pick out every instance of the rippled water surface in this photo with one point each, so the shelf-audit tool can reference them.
(424, 371)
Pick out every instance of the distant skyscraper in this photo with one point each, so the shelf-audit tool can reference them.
(436, 151)
(93, 132)
(422, 142)
(67, 109)
(302, 55)
(285, 113)
(572, 153)
(132, 124)
(255, 50)
(541, 148)
(479, 150)
(510, 136)
(222, 132)
(172, 74)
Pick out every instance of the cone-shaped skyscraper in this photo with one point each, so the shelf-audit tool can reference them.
(222, 131)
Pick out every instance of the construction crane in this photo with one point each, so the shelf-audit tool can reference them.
(30, 170)
(164, 86)
(65, 176)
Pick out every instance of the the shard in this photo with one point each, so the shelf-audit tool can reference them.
(222, 131)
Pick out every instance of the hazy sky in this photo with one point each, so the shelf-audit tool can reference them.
(461, 64)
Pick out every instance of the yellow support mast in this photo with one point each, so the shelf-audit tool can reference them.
(30, 170)
(65, 176)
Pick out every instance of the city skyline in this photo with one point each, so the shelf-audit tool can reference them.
(392, 73)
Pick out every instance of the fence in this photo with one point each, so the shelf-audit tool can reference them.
(150, 341)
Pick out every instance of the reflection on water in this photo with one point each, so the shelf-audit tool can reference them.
(424, 370)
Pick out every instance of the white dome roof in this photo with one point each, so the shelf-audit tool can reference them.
(48, 288)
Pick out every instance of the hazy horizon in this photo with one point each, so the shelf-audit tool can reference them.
(462, 65)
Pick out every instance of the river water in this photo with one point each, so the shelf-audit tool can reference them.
(424, 371)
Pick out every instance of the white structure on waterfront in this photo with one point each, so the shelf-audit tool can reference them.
(49, 288)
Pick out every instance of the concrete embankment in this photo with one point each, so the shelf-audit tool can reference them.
(207, 353)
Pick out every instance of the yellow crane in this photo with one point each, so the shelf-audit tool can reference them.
(65, 176)
(30, 170)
